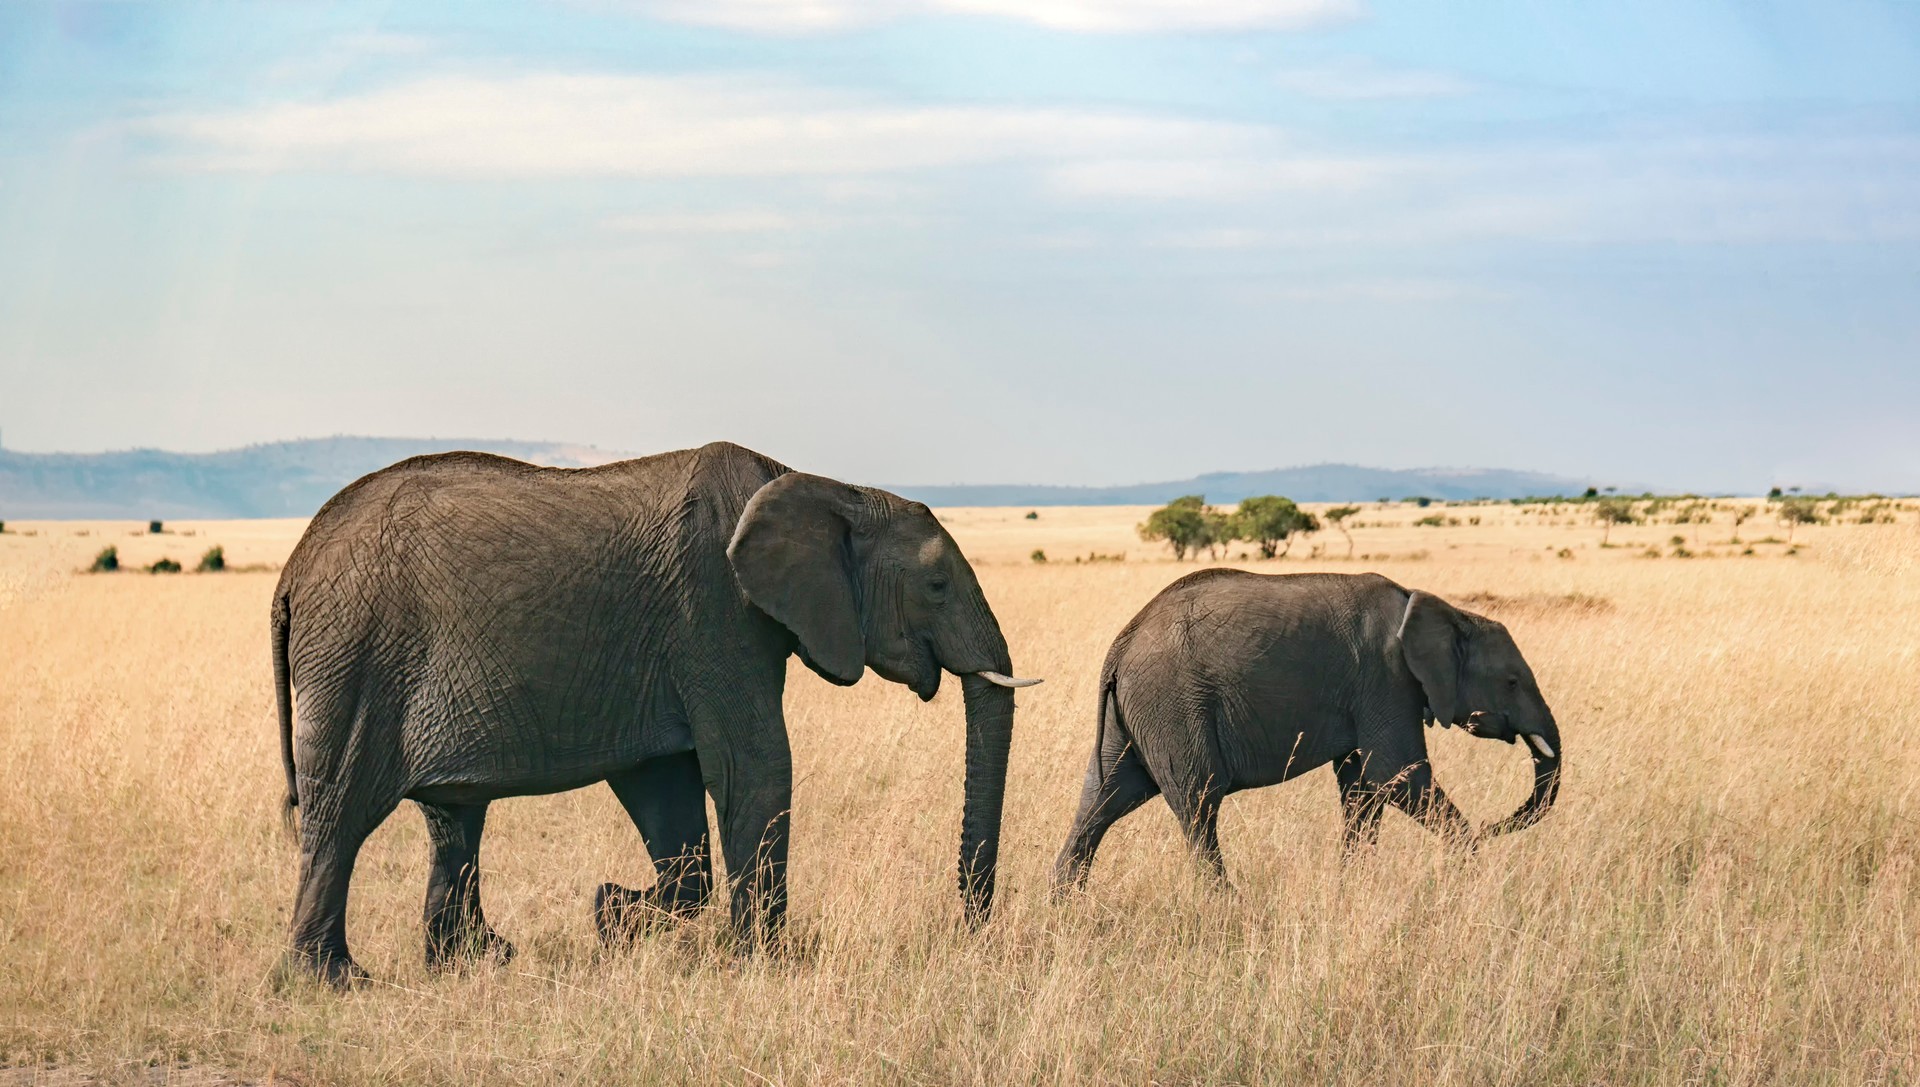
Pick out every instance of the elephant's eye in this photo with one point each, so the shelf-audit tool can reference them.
(1513, 683)
(938, 585)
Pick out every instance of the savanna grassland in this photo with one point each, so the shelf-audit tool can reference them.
(1727, 892)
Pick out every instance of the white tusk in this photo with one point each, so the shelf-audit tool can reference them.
(1540, 745)
(1005, 681)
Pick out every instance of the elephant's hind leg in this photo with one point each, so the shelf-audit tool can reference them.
(667, 801)
(457, 929)
(1117, 782)
(335, 820)
(1198, 811)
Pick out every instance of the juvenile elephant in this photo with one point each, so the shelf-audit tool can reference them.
(1230, 680)
(465, 627)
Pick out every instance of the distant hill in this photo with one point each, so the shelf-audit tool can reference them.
(293, 479)
(1313, 483)
(281, 479)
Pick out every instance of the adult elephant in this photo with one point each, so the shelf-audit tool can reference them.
(464, 627)
(1230, 680)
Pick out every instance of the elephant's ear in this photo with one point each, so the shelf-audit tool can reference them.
(792, 553)
(1431, 636)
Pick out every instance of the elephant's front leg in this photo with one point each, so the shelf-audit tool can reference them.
(752, 787)
(1414, 791)
(668, 804)
(457, 930)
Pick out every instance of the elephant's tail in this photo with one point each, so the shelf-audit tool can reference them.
(1109, 715)
(283, 698)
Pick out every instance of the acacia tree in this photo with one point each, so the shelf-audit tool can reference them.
(1740, 517)
(1181, 522)
(1799, 511)
(1216, 532)
(1269, 521)
(1338, 515)
(1613, 511)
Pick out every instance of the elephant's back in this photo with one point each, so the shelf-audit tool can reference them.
(562, 559)
(1253, 658)
(1218, 609)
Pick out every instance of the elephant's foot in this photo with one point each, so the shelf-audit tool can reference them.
(468, 947)
(622, 916)
(334, 969)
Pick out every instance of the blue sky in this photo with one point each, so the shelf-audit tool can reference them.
(1064, 241)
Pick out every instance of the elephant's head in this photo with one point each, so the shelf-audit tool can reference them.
(1474, 677)
(865, 579)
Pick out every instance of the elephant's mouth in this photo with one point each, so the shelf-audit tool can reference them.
(1490, 725)
(916, 669)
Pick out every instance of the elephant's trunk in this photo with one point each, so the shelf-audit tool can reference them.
(989, 735)
(1545, 749)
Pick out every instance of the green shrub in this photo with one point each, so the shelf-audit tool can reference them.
(214, 561)
(1033, 515)
(106, 562)
(155, 528)
(1267, 521)
(1183, 523)
(164, 566)
(1038, 555)
(1435, 521)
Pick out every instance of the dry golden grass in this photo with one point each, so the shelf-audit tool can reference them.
(1727, 894)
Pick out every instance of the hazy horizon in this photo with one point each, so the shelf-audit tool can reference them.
(1075, 242)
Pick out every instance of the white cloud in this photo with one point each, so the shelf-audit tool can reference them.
(1185, 182)
(1223, 178)
(386, 43)
(324, 62)
(534, 126)
(1090, 16)
(716, 222)
(1391, 290)
(1645, 187)
(1357, 79)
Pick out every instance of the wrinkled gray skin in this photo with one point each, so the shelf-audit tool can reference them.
(1229, 680)
(465, 627)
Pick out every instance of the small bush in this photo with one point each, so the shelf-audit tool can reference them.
(164, 566)
(1033, 515)
(1650, 553)
(1434, 521)
(1678, 541)
(155, 528)
(1038, 555)
(215, 560)
(106, 562)
(1565, 552)
(3, 526)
